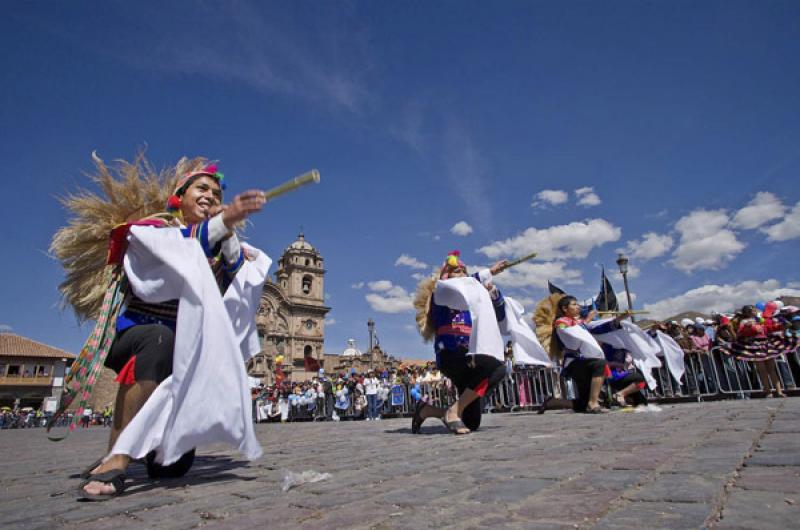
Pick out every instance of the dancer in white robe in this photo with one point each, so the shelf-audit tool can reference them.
(464, 312)
(180, 345)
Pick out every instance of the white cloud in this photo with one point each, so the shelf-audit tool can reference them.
(461, 228)
(622, 300)
(633, 272)
(705, 241)
(410, 261)
(389, 298)
(574, 240)
(358, 285)
(536, 275)
(330, 321)
(380, 285)
(419, 276)
(5, 328)
(651, 246)
(721, 298)
(263, 50)
(587, 197)
(551, 197)
(787, 229)
(764, 207)
(529, 303)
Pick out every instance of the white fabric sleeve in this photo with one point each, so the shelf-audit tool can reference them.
(484, 276)
(216, 232)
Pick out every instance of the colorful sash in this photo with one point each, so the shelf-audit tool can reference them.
(86, 368)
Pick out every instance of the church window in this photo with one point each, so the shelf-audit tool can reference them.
(308, 262)
(307, 281)
(308, 351)
(13, 370)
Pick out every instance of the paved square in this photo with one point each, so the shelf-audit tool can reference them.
(727, 464)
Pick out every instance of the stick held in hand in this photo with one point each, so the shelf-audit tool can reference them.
(291, 185)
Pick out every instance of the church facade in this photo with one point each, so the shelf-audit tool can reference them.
(291, 315)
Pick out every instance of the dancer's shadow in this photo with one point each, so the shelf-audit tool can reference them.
(436, 428)
(205, 470)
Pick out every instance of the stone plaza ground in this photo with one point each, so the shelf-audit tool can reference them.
(724, 464)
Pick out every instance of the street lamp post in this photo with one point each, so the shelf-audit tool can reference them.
(622, 262)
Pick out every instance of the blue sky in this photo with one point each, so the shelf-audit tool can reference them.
(669, 130)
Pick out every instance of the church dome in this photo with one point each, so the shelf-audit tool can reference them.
(351, 350)
(300, 244)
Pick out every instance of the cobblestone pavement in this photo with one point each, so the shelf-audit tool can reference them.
(725, 464)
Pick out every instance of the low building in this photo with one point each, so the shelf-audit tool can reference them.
(354, 359)
(30, 372)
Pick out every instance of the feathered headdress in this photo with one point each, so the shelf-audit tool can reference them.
(128, 191)
(543, 318)
(422, 303)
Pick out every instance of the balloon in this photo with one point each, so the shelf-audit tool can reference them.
(760, 306)
(279, 359)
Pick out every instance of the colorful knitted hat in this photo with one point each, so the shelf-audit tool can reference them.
(174, 201)
(452, 262)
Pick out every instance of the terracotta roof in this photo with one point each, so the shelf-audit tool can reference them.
(16, 346)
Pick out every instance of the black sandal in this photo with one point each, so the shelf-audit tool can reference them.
(596, 410)
(416, 421)
(115, 477)
(455, 426)
(86, 473)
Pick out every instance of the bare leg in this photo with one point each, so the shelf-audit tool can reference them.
(763, 375)
(772, 370)
(625, 392)
(130, 399)
(594, 392)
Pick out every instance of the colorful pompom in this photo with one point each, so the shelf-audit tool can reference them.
(173, 203)
(452, 261)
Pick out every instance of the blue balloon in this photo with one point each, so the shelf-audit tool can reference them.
(760, 306)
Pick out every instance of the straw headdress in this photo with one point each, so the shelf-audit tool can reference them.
(127, 191)
(543, 319)
(422, 303)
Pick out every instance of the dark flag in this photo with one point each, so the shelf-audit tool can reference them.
(311, 364)
(553, 289)
(606, 299)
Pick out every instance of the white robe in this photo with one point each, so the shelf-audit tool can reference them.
(468, 294)
(643, 349)
(526, 345)
(578, 338)
(207, 399)
(672, 353)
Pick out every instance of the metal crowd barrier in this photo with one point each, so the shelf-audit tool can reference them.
(707, 375)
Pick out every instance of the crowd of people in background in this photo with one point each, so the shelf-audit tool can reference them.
(334, 397)
(29, 417)
(368, 395)
(760, 333)
(347, 395)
